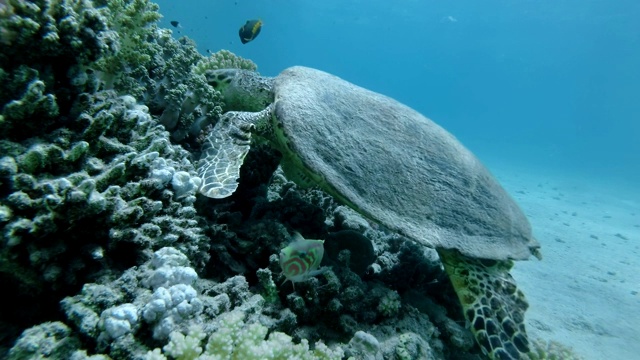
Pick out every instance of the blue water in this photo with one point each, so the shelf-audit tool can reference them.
(549, 84)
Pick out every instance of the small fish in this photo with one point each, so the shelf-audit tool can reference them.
(300, 260)
(250, 30)
(174, 23)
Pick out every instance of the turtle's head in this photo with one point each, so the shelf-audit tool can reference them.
(242, 90)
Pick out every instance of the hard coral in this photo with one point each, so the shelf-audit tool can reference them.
(224, 59)
(78, 200)
(134, 23)
(43, 43)
(89, 179)
(159, 70)
(71, 30)
(160, 297)
(235, 340)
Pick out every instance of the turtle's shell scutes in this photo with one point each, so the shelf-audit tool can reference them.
(397, 167)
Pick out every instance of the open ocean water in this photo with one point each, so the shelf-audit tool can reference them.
(547, 83)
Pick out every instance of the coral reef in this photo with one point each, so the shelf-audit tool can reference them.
(45, 45)
(156, 69)
(90, 182)
(159, 71)
(101, 116)
(76, 200)
(235, 340)
(47, 340)
(158, 298)
(335, 305)
(164, 297)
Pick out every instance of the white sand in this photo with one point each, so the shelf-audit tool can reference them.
(585, 293)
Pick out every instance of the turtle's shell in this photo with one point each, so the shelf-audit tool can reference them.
(397, 167)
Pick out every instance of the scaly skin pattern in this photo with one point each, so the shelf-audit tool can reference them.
(492, 304)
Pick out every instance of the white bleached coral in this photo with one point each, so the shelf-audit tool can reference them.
(119, 321)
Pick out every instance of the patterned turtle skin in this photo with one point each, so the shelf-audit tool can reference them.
(395, 167)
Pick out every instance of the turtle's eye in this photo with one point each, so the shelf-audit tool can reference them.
(248, 127)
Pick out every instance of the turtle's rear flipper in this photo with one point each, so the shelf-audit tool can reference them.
(492, 304)
(223, 152)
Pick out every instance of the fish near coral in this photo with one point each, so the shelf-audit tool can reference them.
(300, 260)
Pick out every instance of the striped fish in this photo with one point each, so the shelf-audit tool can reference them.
(300, 260)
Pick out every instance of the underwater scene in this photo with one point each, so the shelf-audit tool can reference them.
(304, 179)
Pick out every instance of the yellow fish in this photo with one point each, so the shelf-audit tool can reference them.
(300, 260)
(250, 30)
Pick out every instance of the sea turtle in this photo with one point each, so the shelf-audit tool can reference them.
(395, 167)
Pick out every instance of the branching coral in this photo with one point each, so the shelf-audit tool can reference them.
(224, 59)
(235, 340)
(134, 23)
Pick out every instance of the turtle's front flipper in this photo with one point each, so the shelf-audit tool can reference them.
(222, 155)
(492, 304)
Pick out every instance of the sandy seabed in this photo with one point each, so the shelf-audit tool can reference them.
(585, 293)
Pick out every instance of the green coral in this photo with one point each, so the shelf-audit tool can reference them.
(235, 340)
(412, 346)
(48, 29)
(269, 288)
(390, 303)
(51, 340)
(54, 50)
(183, 98)
(158, 70)
(153, 67)
(139, 45)
(224, 59)
(45, 48)
(135, 23)
(34, 103)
